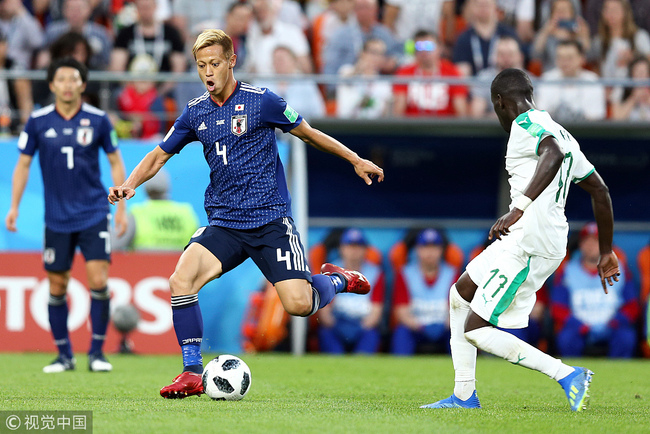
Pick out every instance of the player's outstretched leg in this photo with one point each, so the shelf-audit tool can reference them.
(58, 317)
(576, 387)
(99, 317)
(574, 380)
(188, 325)
(355, 282)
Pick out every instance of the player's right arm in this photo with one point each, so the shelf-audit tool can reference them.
(550, 160)
(145, 170)
(601, 202)
(18, 183)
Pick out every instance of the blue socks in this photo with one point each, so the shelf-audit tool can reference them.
(99, 315)
(324, 289)
(57, 308)
(188, 324)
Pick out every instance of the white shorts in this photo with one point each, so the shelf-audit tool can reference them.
(507, 278)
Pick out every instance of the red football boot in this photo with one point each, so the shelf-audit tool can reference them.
(186, 384)
(356, 282)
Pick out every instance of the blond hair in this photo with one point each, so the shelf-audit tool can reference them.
(210, 37)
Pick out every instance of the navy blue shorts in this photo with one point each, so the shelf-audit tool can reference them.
(275, 248)
(94, 243)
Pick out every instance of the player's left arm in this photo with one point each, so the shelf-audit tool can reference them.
(550, 160)
(601, 203)
(364, 168)
(118, 173)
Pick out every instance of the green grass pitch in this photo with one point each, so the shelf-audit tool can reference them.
(322, 394)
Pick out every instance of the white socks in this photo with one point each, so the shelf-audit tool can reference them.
(516, 351)
(463, 354)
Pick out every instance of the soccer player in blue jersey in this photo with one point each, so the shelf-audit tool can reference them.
(68, 136)
(247, 200)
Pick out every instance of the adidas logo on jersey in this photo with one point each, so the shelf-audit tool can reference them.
(202, 127)
(51, 133)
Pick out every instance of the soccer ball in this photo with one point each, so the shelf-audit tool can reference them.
(226, 378)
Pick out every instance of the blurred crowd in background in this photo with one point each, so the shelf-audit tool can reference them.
(366, 43)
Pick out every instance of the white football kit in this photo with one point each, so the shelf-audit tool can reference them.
(511, 270)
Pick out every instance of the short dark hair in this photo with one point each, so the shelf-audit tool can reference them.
(68, 62)
(66, 44)
(423, 33)
(571, 43)
(512, 83)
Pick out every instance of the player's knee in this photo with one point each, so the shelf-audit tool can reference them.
(180, 284)
(58, 285)
(298, 305)
(97, 282)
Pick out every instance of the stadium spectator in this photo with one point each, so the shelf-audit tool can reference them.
(141, 104)
(421, 296)
(640, 9)
(352, 323)
(24, 36)
(238, 20)
(76, 18)
(75, 45)
(520, 15)
(507, 55)
(571, 102)
(290, 12)
(584, 315)
(159, 223)
(300, 92)
(371, 97)
(325, 24)
(618, 39)
(266, 33)
(474, 49)
(633, 103)
(429, 98)
(6, 105)
(76, 212)
(148, 38)
(405, 17)
(346, 43)
(564, 24)
(191, 17)
(52, 10)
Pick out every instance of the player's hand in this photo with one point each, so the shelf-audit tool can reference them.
(367, 170)
(10, 220)
(116, 194)
(502, 226)
(121, 222)
(608, 269)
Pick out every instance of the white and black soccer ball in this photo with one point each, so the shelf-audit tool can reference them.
(226, 378)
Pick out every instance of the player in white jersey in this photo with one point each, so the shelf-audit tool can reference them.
(498, 287)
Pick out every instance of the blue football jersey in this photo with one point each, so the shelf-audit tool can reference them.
(247, 186)
(75, 198)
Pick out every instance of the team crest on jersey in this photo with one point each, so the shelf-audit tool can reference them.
(239, 124)
(84, 122)
(84, 135)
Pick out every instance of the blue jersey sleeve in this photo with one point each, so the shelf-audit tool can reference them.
(27, 141)
(277, 113)
(108, 136)
(180, 134)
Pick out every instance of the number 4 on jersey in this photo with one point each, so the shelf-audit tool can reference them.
(222, 152)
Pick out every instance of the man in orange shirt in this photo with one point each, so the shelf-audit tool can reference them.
(429, 98)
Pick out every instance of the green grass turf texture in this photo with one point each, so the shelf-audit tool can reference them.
(325, 394)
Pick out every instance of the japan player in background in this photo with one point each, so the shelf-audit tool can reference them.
(247, 200)
(68, 136)
(498, 287)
